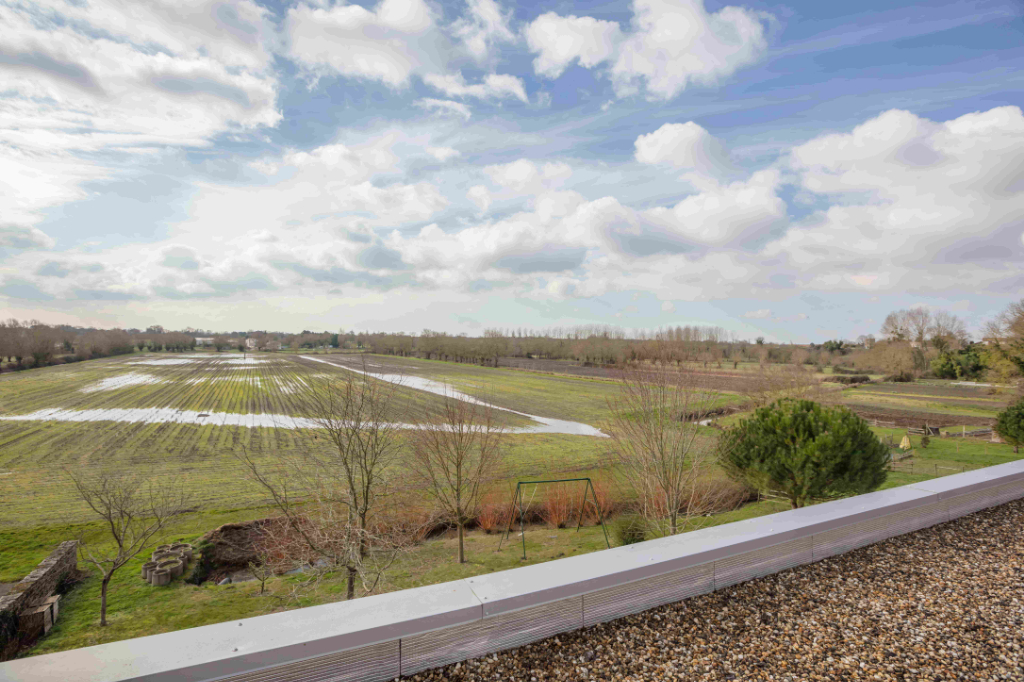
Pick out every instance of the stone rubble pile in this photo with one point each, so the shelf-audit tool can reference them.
(944, 603)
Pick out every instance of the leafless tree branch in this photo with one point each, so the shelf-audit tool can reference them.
(133, 510)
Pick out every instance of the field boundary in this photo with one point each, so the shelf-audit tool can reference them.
(400, 633)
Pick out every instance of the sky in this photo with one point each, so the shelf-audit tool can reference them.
(793, 170)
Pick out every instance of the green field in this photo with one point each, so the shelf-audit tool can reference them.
(39, 509)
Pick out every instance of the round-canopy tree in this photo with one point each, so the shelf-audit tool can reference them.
(804, 450)
(1010, 424)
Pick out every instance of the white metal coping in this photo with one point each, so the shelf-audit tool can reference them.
(267, 642)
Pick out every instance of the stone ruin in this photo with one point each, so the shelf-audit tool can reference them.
(31, 608)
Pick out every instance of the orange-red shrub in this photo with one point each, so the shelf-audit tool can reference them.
(493, 514)
(560, 504)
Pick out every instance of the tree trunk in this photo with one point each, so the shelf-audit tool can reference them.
(103, 598)
(350, 593)
(362, 537)
(462, 547)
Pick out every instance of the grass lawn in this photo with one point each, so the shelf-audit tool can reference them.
(136, 609)
(949, 455)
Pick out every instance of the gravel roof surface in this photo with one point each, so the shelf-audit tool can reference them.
(945, 603)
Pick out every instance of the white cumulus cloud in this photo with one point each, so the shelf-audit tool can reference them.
(942, 200)
(683, 145)
(388, 44)
(559, 41)
(484, 26)
(669, 45)
(731, 213)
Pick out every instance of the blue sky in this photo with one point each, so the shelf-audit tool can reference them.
(789, 170)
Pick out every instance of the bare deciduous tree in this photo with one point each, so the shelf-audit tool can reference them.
(262, 567)
(920, 321)
(663, 453)
(772, 382)
(331, 489)
(896, 326)
(948, 332)
(494, 345)
(133, 510)
(919, 325)
(897, 358)
(456, 453)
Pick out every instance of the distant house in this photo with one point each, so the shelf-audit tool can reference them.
(204, 340)
(250, 344)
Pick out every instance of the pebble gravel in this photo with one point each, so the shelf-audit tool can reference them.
(944, 603)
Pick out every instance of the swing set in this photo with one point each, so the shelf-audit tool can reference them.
(517, 503)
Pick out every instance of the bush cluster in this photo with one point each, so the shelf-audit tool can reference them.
(628, 530)
(204, 565)
(854, 379)
(1010, 424)
(962, 364)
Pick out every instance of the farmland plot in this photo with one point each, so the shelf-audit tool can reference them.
(200, 383)
(938, 403)
(563, 397)
(186, 417)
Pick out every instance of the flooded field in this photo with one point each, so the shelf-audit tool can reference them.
(186, 417)
(544, 424)
(273, 385)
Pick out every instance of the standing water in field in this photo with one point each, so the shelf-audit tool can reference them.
(170, 415)
(122, 381)
(546, 425)
(160, 415)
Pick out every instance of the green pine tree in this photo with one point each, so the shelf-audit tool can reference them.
(805, 450)
(1010, 424)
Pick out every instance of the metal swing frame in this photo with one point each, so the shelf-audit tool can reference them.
(517, 502)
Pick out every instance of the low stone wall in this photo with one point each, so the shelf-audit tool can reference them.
(32, 591)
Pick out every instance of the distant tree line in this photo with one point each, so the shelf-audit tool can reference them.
(912, 343)
(920, 342)
(25, 344)
(589, 345)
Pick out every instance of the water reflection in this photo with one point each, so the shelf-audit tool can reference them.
(544, 425)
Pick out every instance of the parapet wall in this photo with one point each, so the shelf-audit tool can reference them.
(382, 637)
(34, 588)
